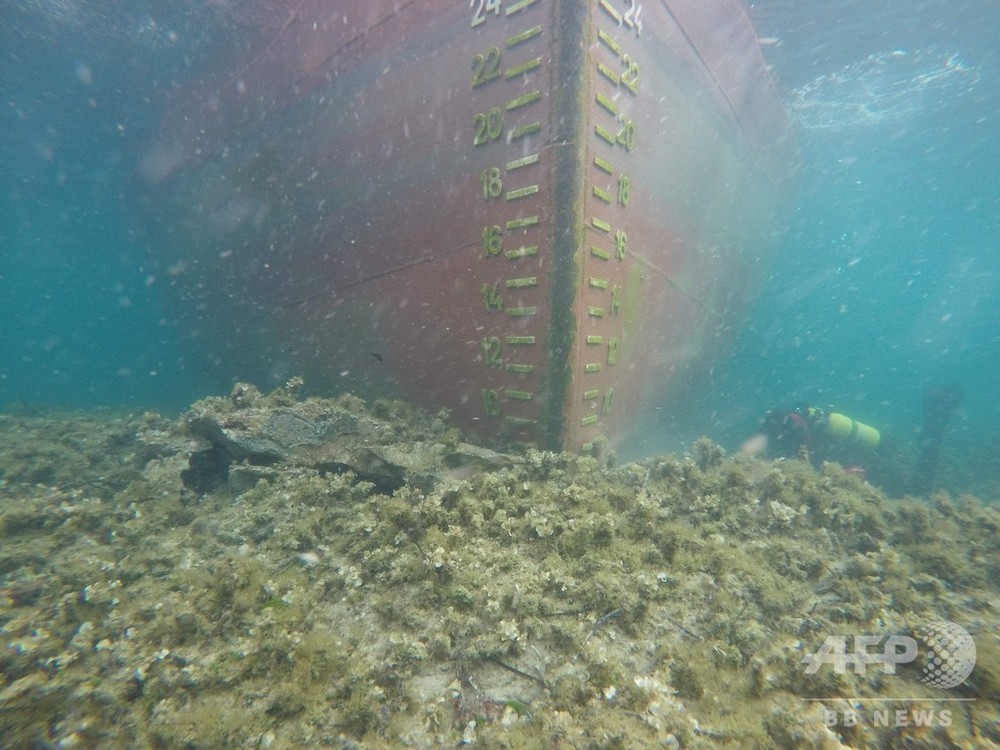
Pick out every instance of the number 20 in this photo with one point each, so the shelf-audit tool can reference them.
(488, 126)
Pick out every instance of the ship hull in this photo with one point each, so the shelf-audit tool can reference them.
(542, 216)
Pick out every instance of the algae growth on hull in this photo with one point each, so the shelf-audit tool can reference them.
(275, 572)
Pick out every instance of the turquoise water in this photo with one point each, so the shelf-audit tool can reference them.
(79, 323)
(886, 280)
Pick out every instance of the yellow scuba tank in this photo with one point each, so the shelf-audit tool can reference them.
(843, 427)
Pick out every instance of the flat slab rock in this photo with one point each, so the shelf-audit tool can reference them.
(390, 445)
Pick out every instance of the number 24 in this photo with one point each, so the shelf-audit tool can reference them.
(631, 17)
(481, 7)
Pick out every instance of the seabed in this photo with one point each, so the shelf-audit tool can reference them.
(279, 572)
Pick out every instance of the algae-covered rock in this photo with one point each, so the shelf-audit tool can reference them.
(392, 445)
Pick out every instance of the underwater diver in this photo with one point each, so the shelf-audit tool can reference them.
(818, 435)
(861, 449)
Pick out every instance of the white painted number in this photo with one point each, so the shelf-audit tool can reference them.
(631, 17)
(481, 7)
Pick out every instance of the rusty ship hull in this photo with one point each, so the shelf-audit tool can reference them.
(539, 215)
